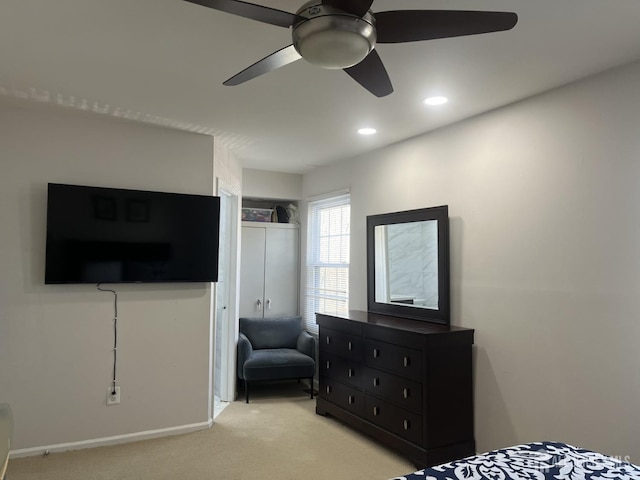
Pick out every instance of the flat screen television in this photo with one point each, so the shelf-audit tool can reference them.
(109, 235)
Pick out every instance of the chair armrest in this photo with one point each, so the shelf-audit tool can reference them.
(245, 349)
(307, 344)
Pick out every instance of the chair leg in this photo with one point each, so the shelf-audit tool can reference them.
(311, 387)
(246, 391)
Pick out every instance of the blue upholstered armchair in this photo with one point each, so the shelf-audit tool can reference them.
(275, 349)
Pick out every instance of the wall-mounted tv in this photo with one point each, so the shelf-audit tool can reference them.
(109, 235)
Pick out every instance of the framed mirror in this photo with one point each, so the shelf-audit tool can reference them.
(408, 264)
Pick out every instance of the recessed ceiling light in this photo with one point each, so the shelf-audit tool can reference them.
(433, 101)
(367, 131)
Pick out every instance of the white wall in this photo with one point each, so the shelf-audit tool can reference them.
(56, 340)
(227, 168)
(271, 185)
(544, 200)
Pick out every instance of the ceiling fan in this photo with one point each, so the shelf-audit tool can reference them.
(342, 34)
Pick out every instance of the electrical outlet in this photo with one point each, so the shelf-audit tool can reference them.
(113, 398)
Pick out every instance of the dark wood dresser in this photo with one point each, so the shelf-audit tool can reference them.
(406, 383)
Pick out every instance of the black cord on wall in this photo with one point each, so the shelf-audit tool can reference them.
(115, 333)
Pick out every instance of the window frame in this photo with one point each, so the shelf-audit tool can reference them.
(314, 265)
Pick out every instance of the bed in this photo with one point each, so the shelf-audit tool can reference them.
(532, 461)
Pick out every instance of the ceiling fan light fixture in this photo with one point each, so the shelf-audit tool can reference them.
(334, 49)
(333, 40)
(367, 131)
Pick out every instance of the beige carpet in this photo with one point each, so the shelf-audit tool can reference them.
(277, 436)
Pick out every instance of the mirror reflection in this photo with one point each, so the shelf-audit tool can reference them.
(406, 264)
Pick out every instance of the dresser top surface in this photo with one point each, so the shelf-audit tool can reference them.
(417, 326)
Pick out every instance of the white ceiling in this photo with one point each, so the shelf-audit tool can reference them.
(164, 61)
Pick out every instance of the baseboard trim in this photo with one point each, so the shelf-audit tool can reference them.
(113, 440)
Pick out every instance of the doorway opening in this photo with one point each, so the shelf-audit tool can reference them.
(225, 302)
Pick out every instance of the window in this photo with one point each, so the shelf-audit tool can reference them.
(327, 269)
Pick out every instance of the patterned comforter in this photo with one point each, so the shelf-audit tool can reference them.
(533, 461)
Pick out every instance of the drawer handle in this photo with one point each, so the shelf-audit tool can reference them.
(405, 392)
(351, 399)
(376, 353)
(328, 364)
(350, 346)
(328, 388)
(376, 411)
(350, 372)
(328, 339)
(407, 424)
(376, 382)
(406, 361)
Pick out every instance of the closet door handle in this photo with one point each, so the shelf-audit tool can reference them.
(269, 304)
(259, 305)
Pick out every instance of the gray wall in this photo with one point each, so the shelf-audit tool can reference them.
(56, 340)
(544, 200)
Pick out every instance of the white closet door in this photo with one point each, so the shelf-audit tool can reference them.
(281, 290)
(252, 272)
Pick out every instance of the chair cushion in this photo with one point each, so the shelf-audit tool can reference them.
(279, 332)
(278, 363)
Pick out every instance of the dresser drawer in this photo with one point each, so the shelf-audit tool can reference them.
(403, 361)
(399, 390)
(341, 369)
(342, 395)
(343, 344)
(395, 419)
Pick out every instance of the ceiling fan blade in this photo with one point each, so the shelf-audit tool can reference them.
(371, 74)
(252, 11)
(356, 7)
(414, 25)
(278, 59)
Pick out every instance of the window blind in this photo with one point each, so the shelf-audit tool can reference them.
(327, 263)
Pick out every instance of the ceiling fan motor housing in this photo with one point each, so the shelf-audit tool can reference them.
(331, 38)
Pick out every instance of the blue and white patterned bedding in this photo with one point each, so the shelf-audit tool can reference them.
(533, 461)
